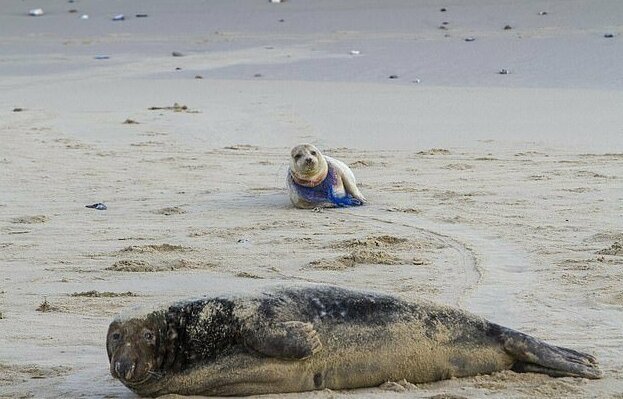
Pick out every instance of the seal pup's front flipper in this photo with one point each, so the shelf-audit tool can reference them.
(535, 356)
(284, 340)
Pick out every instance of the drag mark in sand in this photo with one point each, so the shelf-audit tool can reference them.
(471, 273)
(492, 275)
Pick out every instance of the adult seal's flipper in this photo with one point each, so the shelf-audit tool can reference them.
(536, 356)
(285, 340)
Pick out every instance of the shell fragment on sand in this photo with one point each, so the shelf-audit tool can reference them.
(99, 206)
(35, 12)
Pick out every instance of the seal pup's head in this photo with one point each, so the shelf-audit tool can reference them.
(307, 165)
(137, 348)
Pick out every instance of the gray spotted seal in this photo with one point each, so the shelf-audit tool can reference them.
(314, 337)
(316, 180)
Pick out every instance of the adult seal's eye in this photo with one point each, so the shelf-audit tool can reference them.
(148, 336)
(116, 336)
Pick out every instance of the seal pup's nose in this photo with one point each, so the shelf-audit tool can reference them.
(309, 160)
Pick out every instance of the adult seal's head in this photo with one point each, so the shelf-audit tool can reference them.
(307, 165)
(137, 348)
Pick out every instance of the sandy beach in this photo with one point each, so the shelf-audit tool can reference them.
(497, 193)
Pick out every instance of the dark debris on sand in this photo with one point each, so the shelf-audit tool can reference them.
(104, 294)
(45, 306)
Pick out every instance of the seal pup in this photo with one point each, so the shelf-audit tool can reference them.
(319, 181)
(310, 337)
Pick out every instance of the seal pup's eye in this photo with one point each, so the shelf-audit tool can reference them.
(313, 153)
(298, 156)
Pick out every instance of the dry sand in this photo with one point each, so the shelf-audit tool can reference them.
(501, 194)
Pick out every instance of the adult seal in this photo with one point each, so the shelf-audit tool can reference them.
(319, 181)
(314, 337)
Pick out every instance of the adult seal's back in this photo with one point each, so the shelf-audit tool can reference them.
(315, 337)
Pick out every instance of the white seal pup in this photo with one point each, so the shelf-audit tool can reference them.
(302, 338)
(319, 181)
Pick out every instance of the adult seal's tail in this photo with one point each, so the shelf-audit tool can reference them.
(315, 337)
(316, 180)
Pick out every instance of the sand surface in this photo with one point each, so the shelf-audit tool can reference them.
(500, 194)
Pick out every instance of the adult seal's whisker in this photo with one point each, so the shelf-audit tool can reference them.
(155, 374)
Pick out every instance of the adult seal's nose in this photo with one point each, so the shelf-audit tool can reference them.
(125, 369)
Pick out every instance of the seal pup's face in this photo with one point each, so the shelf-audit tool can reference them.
(307, 165)
(133, 350)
